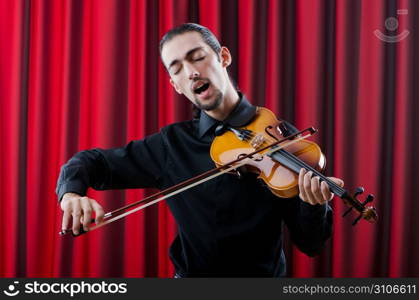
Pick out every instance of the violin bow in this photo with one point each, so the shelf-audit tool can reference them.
(189, 183)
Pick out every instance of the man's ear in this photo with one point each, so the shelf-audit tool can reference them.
(175, 86)
(225, 57)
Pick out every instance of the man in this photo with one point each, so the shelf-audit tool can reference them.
(229, 226)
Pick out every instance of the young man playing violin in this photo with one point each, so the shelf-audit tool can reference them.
(228, 226)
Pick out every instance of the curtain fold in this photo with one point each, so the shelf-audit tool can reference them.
(87, 74)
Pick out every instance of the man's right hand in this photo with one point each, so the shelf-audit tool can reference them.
(80, 210)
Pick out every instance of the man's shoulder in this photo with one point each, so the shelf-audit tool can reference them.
(178, 127)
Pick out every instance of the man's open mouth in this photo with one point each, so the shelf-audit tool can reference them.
(201, 88)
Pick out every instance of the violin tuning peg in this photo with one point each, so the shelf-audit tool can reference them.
(347, 212)
(356, 220)
(220, 129)
(369, 199)
(279, 130)
(359, 190)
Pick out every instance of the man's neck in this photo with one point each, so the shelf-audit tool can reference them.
(231, 99)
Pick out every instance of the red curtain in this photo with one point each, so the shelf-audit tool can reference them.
(83, 74)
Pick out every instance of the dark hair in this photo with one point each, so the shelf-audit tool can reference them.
(208, 37)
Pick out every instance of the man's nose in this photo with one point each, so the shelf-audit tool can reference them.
(193, 73)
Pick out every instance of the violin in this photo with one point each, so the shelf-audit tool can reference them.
(263, 147)
(279, 168)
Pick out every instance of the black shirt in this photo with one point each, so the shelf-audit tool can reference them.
(228, 226)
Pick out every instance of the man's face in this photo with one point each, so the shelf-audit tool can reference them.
(196, 70)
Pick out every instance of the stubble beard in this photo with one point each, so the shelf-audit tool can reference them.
(210, 106)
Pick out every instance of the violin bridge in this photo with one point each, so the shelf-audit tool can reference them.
(257, 141)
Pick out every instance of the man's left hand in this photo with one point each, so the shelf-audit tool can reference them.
(314, 192)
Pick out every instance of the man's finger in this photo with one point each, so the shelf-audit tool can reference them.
(76, 213)
(338, 181)
(66, 219)
(307, 187)
(326, 191)
(315, 190)
(303, 195)
(87, 212)
(99, 213)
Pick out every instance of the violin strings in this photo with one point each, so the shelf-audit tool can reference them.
(336, 188)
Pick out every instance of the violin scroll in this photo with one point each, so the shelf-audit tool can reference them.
(368, 213)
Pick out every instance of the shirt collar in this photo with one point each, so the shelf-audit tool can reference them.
(242, 114)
